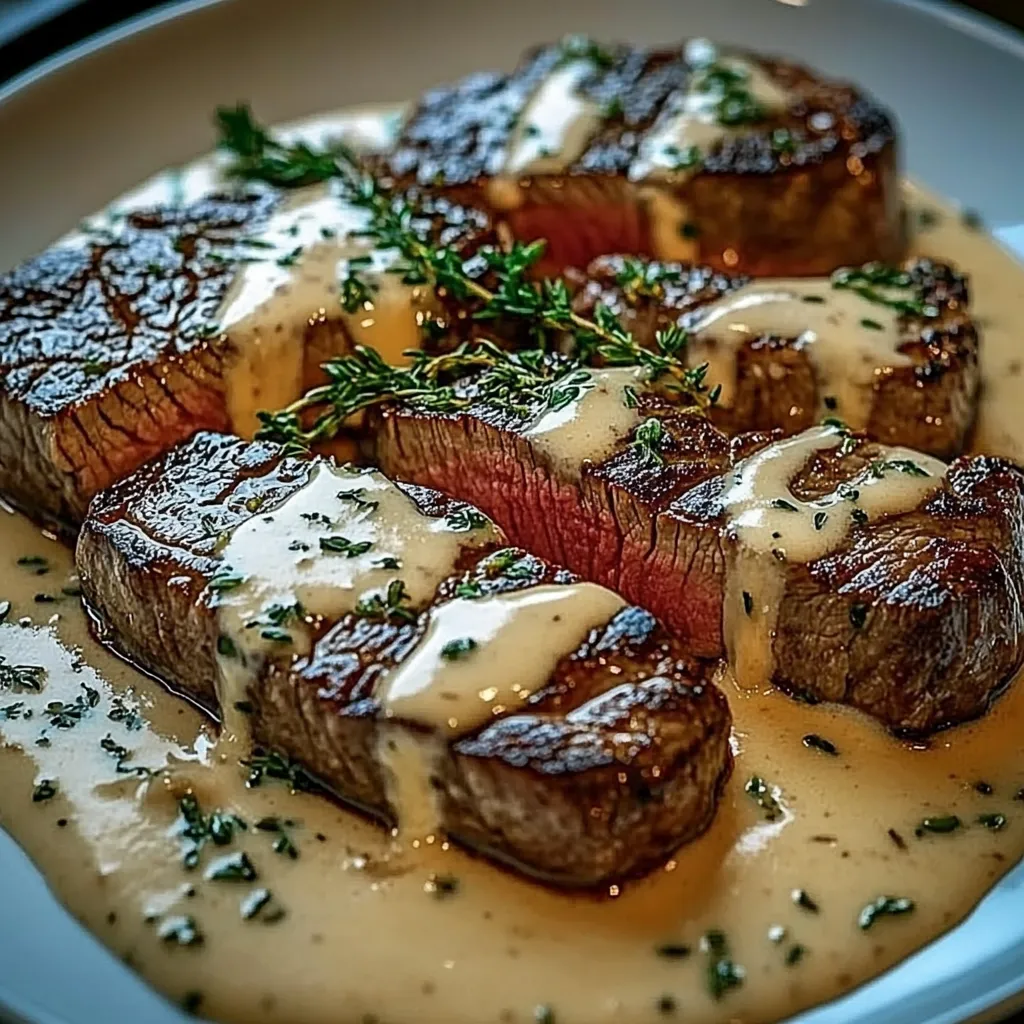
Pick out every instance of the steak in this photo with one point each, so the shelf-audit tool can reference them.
(112, 349)
(913, 614)
(610, 764)
(746, 163)
(921, 392)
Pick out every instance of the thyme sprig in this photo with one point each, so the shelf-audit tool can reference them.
(494, 285)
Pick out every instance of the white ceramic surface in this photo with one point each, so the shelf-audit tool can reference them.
(87, 125)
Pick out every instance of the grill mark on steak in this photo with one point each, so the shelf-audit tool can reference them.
(827, 198)
(656, 533)
(611, 765)
(929, 404)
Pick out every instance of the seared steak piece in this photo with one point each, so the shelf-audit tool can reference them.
(116, 345)
(839, 569)
(604, 764)
(749, 164)
(902, 365)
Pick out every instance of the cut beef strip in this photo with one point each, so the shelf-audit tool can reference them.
(922, 393)
(609, 765)
(111, 349)
(916, 618)
(583, 145)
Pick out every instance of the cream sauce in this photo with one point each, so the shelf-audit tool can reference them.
(478, 658)
(482, 657)
(848, 339)
(500, 947)
(686, 129)
(556, 124)
(341, 539)
(291, 279)
(690, 126)
(770, 527)
(291, 272)
(589, 426)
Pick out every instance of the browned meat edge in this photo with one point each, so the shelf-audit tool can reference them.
(613, 764)
(110, 353)
(929, 405)
(918, 620)
(803, 192)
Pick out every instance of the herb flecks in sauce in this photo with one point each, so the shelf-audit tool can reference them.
(762, 795)
(722, 972)
(883, 906)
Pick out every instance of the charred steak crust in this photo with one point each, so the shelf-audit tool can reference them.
(802, 192)
(917, 620)
(103, 358)
(929, 405)
(609, 767)
(110, 352)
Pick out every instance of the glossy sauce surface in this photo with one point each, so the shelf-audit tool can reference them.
(345, 931)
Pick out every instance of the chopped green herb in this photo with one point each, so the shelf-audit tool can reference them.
(795, 954)
(37, 563)
(392, 606)
(12, 711)
(871, 325)
(226, 581)
(820, 518)
(260, 904)
(649, 439)
(762, 795)
(232, 867)
(816, 742)
(858, 615)
(226, 647)
(984, 788)
(748, 603)
(673, 951)
(469, 590)
(993, 822)
(195, 829)
(466, 518)
(722, 973)
(343, 546)
(941, 825)
(458, 648)
(782, 503)
(64, 715)
(265, 765)
(181, 930)
(21, 677)
(804, 900)
(283, 844)
(883, 906)
(45, 789)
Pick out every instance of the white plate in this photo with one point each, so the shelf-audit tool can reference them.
(89, 124)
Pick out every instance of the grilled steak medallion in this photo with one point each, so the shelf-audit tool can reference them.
(891, 351)
(115, 346)
(884, 582)
(405, 699)
(746, 163)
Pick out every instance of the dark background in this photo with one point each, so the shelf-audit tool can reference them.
(33, 29)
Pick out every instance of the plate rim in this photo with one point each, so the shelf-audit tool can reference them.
(983, 27)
